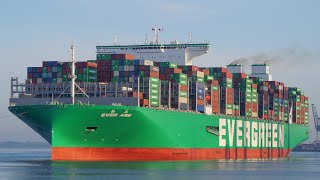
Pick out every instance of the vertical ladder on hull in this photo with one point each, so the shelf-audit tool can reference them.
(316, 120)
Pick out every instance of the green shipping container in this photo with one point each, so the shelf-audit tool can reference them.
(183, 94)
(104, 56)
(168, 65)
(44, 69)
(141, 73)
(227, 85)
(181, 76)
(229, 106)
(154, 103)
(154, 91)
(197, 79)
(116, 68)
(183, 82)
(154, 97)
(215, 88)
(115, 79)
(154, 86)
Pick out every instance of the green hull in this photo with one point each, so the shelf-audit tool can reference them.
(83, 126)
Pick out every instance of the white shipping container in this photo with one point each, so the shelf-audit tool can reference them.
(146, 62)
(183, 100)
(155, 68)
(39, 80)
(115, 73)
(235, 68)
(198, 74)
(131, 79)
(131, 68)
(229, 111)
(59, 80)
(254, 114)
(260, 69)
(263, 88)
(208, 110)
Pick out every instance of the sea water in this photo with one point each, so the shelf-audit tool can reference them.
(36, 164)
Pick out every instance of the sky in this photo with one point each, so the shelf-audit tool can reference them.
(286, 32)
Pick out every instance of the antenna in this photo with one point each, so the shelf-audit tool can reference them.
(156, 31)
(146, 38)
(190, 37)
(73, 85)
(115, 39)
(73, 77)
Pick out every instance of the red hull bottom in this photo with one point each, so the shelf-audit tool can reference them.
(163, 154)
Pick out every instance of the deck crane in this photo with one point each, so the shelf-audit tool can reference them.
(316, 119)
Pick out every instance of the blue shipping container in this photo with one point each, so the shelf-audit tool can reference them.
(29, 69)
(136, 62)
(200, 108)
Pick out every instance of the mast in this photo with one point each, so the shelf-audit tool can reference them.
(73, 77)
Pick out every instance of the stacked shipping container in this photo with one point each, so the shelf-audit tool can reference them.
(209, 90)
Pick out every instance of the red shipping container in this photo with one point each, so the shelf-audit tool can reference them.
(142, 68)
(221, 69)
(229, 90)
(80, 70)
(39, 69)
(154, 74)
(229, 101)
(140, 95)
(173, 70)
(241, 75)
(194, 68)
(183, 88)
(122, 56)
(215, 110)
(213, 82)
(205, 71)
(34, 80)
(227, 75)
(254, 86)
(44, 63)
(215, 93)
(91, 64)
(215, 104)
(162, 76)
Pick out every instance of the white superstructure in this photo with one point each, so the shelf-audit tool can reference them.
(182, 54)
(235, 68)
(262, 71)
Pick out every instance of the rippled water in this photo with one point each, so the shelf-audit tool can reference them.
(36, 164)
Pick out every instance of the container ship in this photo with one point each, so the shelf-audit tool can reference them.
(149, 103)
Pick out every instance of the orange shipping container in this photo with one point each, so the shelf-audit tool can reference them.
(135, 94)
(183, 88)
(205, 71)
(145, 102)
(215, 94)
(213, 82)
(200, 102)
